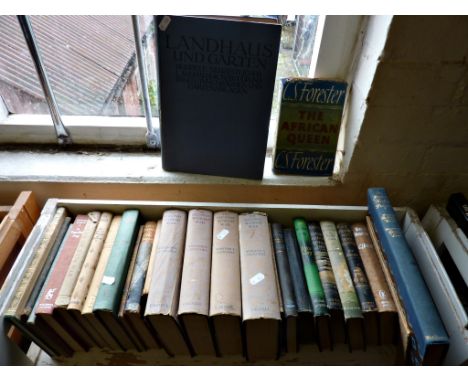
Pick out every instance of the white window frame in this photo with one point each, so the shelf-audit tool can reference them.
(335, 43)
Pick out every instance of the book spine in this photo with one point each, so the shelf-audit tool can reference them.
(101, 266)
(356, 268)
(47, 266)
(195, 286)
(324, 267)
(348, 296)
(258, 279)
(112, 283)
(163, 296)
(140, 268)
(38, 258)
(314, 285)
(284, 271)
(89, 265)
(149, 272)
(378, 284)
(422, 314)
(304, 305)
(225, 291)
(48, 298)
(63, 298)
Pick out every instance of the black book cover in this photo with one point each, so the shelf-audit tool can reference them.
(284, 272)
(457, 207)
(216, 82)
(304, 304)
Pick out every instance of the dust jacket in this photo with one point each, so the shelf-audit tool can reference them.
(308, 126)
(216, 82)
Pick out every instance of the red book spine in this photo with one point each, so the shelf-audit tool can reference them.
(50, 293)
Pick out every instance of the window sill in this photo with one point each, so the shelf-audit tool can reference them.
(115, 167)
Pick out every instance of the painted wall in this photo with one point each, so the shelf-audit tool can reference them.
(407, 128)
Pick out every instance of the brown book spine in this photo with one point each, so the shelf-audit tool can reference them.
(195, 285)
(47, 300)
(92, 323)
(64, 296)
(225, 294)
(149, 272)
(163, 295)
(39, 257)
(259, 287)
(89, 266)
(378, 284)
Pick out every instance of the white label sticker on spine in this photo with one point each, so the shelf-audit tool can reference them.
(222, 234)
(259, 277)
(166, 20)
(108, 280)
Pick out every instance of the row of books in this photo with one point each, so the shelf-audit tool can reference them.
(223, 284)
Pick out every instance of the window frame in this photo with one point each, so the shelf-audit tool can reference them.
(327, 62)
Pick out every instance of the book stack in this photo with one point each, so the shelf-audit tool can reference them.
(221, 283)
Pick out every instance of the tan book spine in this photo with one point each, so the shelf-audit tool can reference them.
(378, 284)
(37, 262)
(101, 266)
(64, 296)
(163, 295)
(149, 272)
(260, 298)
(195, 285)
(89, 266)
(225, 293)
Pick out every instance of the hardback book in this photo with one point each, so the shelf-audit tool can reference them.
(308, 126)
(327, 278)
(20, 321)
(46, 269)
(260, 301)
(38, 258)
(135, 341)
(225, 289)
(305, 312)
(451, 308)
(109, 295)
(163, 297)
(361, 284)
(83, 283)
(405, 330)
(133, 312)
(101, 334)
(46, 306)
(314, 285)
(216, 82)
(429, 344)
(71, 277)
(344, 282)
(388, 315)
(48, 338)
(194, 299)
(289, 322)
(451, 244)
(457, 207)
(149, 272)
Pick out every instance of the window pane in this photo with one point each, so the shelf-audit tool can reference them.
(19, 85)
(91, 63)
(297, 43)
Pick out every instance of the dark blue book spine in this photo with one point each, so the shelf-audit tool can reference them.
(417, 301)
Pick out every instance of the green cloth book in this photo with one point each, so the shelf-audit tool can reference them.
(314, 285)
(110, 290)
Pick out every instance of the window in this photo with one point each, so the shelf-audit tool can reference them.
(93, 68)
